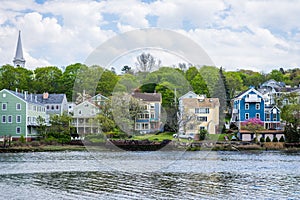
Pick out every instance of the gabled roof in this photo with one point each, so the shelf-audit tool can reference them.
(188, 94)
(96, 97)
(271, 108)
(198, 103)
(242, 94)
(22, 97)
(147, 96)
(52, 98)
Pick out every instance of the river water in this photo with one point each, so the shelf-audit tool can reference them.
(171, 175)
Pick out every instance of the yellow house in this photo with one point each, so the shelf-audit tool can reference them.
(196, 112)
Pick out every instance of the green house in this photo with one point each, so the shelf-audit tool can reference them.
(19, 113)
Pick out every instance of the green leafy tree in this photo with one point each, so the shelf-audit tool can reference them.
(60, 128)
(203, 134)
(107, 83)
(47, 79)
(68, 78)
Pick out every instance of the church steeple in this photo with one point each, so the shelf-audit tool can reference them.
(18, 59)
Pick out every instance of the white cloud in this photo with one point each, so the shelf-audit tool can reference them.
(251, 34)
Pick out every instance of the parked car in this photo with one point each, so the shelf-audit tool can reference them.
(184, 136)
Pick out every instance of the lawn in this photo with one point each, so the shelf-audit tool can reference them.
(154, 137)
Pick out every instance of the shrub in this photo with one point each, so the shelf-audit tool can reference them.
(268, 139)
(35, 143)
(262, 139)
(281, 139)
(203, 134)
(22, 139)
(275, 139)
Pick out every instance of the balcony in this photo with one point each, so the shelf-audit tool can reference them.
(235, 111)
(154, 120)
(252, 99)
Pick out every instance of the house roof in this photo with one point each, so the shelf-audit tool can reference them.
(22, 96)
(242, 94)
(52, 98)
(147, 96)
(197, 102)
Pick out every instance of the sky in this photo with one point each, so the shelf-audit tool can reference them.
(256, 35)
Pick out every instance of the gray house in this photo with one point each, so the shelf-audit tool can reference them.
(56, 104)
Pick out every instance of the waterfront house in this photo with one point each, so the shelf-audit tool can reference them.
(19, 114)
(251, 104)
(149, 120)
(197, 112)
(56, 104)
(84, 115)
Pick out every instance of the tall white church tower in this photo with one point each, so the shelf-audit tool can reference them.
(18, 59)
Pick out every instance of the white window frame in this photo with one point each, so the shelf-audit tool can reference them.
(17, 106)
(3, 119)
(257, 106)
(11, 119)
(257, 114)
(17, 119)
(247, 105)
(3, 105)
(247, 114)
(18, 127)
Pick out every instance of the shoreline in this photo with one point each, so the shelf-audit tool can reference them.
(174, 146)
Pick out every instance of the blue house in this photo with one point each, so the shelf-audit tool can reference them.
(251, 104)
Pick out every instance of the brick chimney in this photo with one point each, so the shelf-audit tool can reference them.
(45, 95)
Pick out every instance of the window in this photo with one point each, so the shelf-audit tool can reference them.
(18, 118)
(57, 107)
(257, 106)
(202, 119)
(257, 115)
(18, 106)
(48, 107)
(3, 95)
(3, 119)
(9, 119)
(267, 117)
(79, 112)
(152, 106)
(52, 107)
(4, 106)
(246, 116)
(191, 127)
(246, 106)
(274, 117)
(202, 128)
(202, 110)
(18, 130)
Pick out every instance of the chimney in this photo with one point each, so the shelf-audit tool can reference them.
(35, 98)
(25, 95)
(31, 97)
(45, 95)
(16, 90)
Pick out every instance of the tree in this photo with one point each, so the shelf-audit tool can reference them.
(41, 128)
(107, 83)
(276, 75)
(47, 79)
(68, 78)
(191, 73)
(203, 134)
(147, 63)
(291, 133)
(127, 70)
(60, 128)
(125, 110)
(253, 125)
(234, 83)
(199, 85)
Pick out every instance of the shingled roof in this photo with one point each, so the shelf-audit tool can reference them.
(51, 99)
(206, 102)
(147, 96)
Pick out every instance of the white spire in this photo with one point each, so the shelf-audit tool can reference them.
(18, 59)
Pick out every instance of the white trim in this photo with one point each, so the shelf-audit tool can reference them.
(248, 106)
(5, 106)
(246, 118)
(256, 106)
(17, 129)
(17, 106)
(257, 114)
(11, 121)
(3, 117)
(20, 119)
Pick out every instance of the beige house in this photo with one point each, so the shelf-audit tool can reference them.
(196, 112)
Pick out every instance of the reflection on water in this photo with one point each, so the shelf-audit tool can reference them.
(221, 175)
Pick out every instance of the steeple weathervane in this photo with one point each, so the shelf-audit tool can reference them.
(18, 59)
